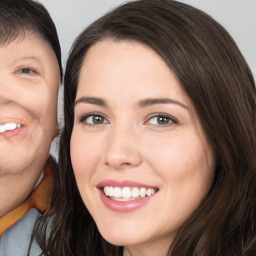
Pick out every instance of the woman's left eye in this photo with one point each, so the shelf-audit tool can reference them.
(162, 120)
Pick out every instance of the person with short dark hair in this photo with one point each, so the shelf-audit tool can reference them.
(30, 75)
(158, 151)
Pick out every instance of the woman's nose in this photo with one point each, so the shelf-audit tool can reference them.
(122, 149)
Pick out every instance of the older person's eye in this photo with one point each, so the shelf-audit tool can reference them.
(161, 120)
(25, 70)
(93, 119)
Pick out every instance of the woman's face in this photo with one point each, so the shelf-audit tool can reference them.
(140, 157)
(29, 82)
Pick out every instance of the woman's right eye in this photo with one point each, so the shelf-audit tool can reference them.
(93, 119)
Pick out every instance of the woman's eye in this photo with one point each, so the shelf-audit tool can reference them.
(93, 120)
(161, 120)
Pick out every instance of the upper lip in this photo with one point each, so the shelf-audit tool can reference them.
(12, 120)
(15, 113)
(123, 183)
(9, 121)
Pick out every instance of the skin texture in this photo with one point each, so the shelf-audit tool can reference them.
(157, 143)
(29, 82)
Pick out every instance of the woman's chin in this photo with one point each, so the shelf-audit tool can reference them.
(124, 239)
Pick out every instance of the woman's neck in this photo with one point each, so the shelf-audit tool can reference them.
(150, 250)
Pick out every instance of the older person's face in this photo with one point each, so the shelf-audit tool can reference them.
(29, 82)
(139, 154)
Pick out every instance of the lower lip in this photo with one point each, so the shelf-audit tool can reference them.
(124, 206)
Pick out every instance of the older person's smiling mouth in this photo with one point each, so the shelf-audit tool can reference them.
(9, 127)
(15, 119)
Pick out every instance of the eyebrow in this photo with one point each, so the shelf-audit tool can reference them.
(154, 101)
(91, 100)
(142, 103)
(27, 57)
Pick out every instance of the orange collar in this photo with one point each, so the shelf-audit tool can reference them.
(38, 199)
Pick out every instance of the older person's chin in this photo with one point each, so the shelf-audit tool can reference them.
(15, 158)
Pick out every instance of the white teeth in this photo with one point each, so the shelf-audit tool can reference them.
(135, 192)
(122, 194)
(106, 190)
(149, 192)
(126, 192)
(9, 127)
(143, 192)
(117, 192)
(111, 191)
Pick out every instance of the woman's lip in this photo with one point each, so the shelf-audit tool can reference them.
(122, 184)
(128, 205)
(124, 206)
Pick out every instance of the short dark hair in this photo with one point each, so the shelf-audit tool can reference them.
(213, 73)
(19, 16)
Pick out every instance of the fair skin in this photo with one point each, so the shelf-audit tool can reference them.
(134, 127)
(29, 82)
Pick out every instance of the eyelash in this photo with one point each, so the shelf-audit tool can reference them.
(21, 70)
(83, 118)
(171, 119)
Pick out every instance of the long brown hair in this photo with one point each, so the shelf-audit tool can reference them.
(217, 79)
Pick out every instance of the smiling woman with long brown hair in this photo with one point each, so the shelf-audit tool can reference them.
(158, 150)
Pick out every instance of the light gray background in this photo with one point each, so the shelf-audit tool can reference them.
(237, 16)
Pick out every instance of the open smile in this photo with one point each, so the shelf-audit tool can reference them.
(15, 119)
(12, 127)
(128, 193)
(9, 127)
(125, 196)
